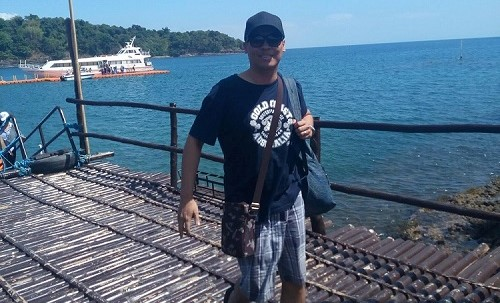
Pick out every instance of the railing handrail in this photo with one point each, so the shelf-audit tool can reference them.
(20, 141)
(316, 145)
(162, 108)
(39, 128)
(411, 128)
(163, 147)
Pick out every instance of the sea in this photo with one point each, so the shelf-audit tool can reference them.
(431, 82)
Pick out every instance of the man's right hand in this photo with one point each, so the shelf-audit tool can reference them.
(187, 211)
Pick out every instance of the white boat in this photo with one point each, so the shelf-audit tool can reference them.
(71, 76)
(129, 59)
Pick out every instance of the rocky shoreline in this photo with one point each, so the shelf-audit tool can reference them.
(454, 232)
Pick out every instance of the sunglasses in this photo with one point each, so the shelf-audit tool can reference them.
(258, 41)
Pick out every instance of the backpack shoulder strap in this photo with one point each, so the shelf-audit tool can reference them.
(293, 94)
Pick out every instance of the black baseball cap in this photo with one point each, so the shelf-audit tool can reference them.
(262, 19)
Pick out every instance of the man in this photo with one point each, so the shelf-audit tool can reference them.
(7, 135)
(237, 112)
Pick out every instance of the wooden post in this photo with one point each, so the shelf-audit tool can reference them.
(173, 142)
(73, 51)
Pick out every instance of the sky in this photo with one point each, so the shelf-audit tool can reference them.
(312, 23)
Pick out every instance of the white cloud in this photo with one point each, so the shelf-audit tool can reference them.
(7, 16)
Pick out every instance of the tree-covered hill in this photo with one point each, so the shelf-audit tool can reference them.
(38, 39)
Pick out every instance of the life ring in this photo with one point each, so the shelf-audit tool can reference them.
(54, 162)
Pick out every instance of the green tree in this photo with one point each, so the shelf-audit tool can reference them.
(55, 47)
(5, 42)
(5, 46)
(36, 39)
(31, 32)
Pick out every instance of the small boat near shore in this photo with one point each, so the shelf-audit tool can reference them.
(129, 58)
(71, 76)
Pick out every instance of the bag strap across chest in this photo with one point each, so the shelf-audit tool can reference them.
(268, 149)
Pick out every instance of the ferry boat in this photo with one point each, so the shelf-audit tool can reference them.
(130, 58)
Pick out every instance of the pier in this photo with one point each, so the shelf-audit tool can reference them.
(25, 80)
(103, 233)
(127, 74)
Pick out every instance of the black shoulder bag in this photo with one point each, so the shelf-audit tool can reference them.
(315, 186)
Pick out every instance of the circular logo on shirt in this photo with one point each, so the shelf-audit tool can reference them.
(260, 120)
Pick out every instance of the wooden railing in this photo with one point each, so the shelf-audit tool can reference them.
(320, 125)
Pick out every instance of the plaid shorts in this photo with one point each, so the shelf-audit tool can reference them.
(280, 245)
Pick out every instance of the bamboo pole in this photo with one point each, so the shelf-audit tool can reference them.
(80, 109)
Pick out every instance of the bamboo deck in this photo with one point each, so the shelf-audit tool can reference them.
(102, 233)
(96, 76)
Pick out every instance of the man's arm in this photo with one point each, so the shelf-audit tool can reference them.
(2, 144)
(188, 208)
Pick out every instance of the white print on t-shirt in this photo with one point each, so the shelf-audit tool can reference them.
(260, 120)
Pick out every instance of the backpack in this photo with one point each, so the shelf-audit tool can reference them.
(315, 186)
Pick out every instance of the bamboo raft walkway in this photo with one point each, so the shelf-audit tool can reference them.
(96, 76)
(102, 233)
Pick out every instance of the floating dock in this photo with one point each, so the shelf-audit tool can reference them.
(127, 74)
(96, 76)
(103, 233)
(28, 81)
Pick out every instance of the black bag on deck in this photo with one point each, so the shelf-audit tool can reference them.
(53, 162)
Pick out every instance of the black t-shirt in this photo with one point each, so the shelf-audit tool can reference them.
(238, 114)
